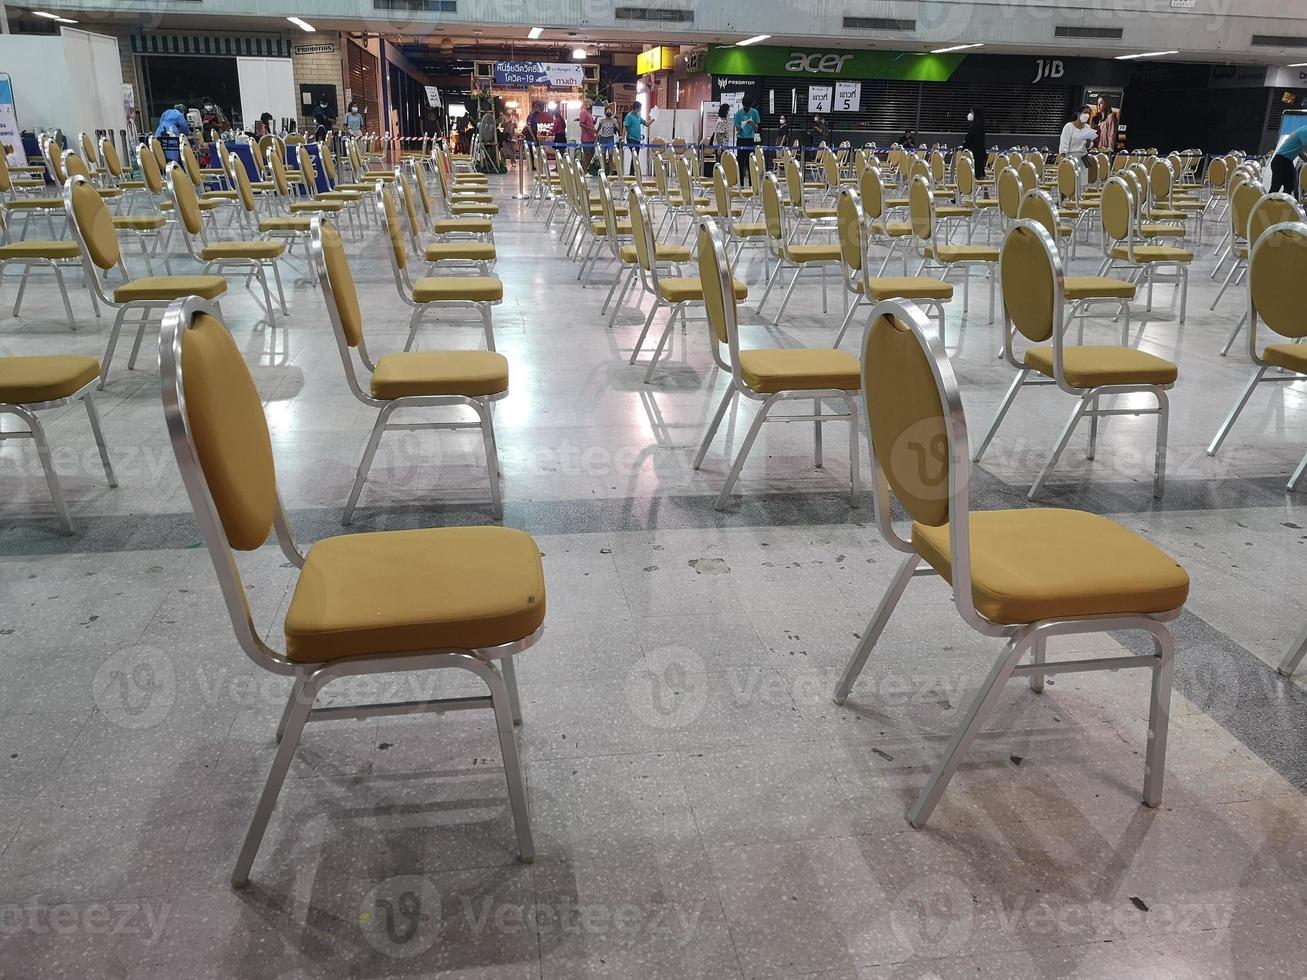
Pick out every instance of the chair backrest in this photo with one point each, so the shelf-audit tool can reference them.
(757, 166)
(1277, 267)
(609, 208)
(185, 200)
(684, 182)
(109, 154)
(92, 223)
(718, 293)
(851, 224)
(90, 152)
(151, 175)
(337, 281)
(294, 138)
(308, 169)
(831, 168)
(277, 168)
(721, 192)
(794, 182)
(1272, 209)
(921, 209)
(1028, 272)
(920, 168)
(50, 150)
(1217, 172)
(75, 166)
(773, 215)
(938, 168)
(1029, 175)
(1067, 174)
(1116, 210)
(328, 163)
(191, 163)
(1008, 186)
(6, 180)
(730, 163)
(1243, 197)
(404, 186)
(1038, 206)
(1160, 179)
(966, 175)
(240, 178)
(640, 213)
(871, 188)
(390, 222)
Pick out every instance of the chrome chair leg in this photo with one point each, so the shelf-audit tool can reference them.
(93, 417)
(113, 342)
(713, 426)
(1159, 460)
(1003, 407)
(1294, 657)
(1244, 395)
(648, 322)
(365, 463)
(876, 626)
(1159, 716)
(492, 456)
(743, 454)
(1076, 414)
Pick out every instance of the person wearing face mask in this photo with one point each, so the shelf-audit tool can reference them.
(354, 121)
(975, 139)
(1077, 136)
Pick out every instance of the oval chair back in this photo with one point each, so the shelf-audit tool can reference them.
(186, 202)
(921, 210)
(1028, 272)
(872, 193)
(90, 219)
(1008, 186)
(851, 224)
(719, 296)
(1277, 265)
(1243, 198)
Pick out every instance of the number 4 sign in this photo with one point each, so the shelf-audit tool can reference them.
(819, 97)
(848, 96)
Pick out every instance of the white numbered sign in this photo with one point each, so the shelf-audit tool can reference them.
(819, 99)
(848, 96)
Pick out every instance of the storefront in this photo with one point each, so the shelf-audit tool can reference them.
(881, 96)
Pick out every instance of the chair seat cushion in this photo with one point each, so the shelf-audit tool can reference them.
(749, 229)
(339, 194)
(474, 251)
(261, 249)
(461, 372)
(814, 253)
(132, 185)
(331, 207)
(1151, 230)
(1089, 367)
(963, 253)
(170, 287)
(220, 195)
(29, 203)
(476, 289)
(1093, 287)
(1048, 563)
(44, 378)
(1153, 253)
(800, 369)
(1290, 356)
(452, 226)
(394, 592)
(359, 188)
(951, 211)
(689, 288)
(601, 227)
(819, 212)
(285, 224)
(894, 229)
(27, 184)
(139, 222)
(905, 287)
(665, 251)
(461, 207)
(40, 250)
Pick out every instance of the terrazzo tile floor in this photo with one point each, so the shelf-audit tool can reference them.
(700, 807)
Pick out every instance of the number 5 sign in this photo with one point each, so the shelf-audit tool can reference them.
(848, 96)
(819, 99)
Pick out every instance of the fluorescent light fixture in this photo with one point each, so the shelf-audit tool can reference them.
(49, 16)
(756, 39)
(1145, 54)
(535, 32)
(303, 25)
(578, 54)
(1301, 64)
(957, 47)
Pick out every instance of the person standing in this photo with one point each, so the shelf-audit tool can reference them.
(586, 120)
(1284, 175)
(720, 137)
(1106, 123)
(559, 122)
(354, 121)
(606, 133)
(529, 133)
(975, 139)
(747, 123)
(634, 125)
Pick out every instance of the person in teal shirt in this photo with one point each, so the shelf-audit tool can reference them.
(1283, 175)
(747, 124)
(634, 126)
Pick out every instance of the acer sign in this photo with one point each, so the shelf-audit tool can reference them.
(817, 64)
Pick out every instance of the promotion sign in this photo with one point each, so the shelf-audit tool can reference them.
(550, 74)
(9, 135)
(848, 96)
(819, 99)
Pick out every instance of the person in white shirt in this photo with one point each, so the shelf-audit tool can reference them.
(1077, 135)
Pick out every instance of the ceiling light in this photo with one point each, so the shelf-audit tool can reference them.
(1145, 54)
(1301, 64)
(752, 40)
(535, 32)
(303, 25)
(50, 16)
(956, 47)
(578, 54)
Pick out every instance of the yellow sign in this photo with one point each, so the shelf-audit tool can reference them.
(655, 59)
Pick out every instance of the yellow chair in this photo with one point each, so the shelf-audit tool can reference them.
(782, 244)
(1277, 268)
(16, 196)
(364, 604)
(53, 254)
(932, 252)
(290, 228)
(877, 207)
(1124, 246)
(733, 227)
(145, 227)
(816, 216)
(201, 175)
(120, 175)
(29, 385)
(481, 255)
(855, 233)
(89, 218)
(1026, 575)
(434, 292)
(292, 204)
(449, 228)
(410, 380)
(673, 293)
(1269, 210)
(1034, 304)
(628, 257)
(351, 201)
(769, 376)
(253, 257)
